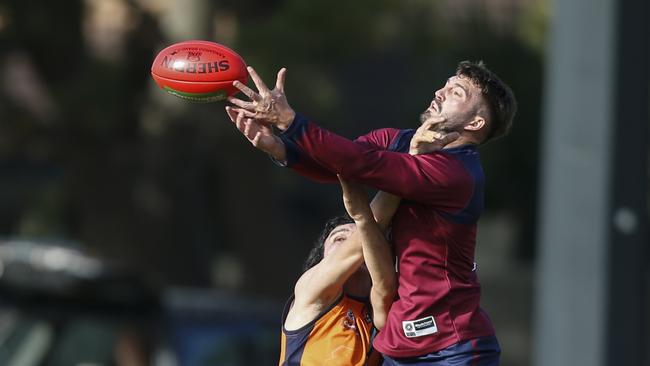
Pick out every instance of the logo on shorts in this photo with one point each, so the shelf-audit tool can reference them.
(419, 327)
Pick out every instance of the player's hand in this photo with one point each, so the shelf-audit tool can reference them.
(427, 140)
(270, 106)
(258, 134)
(355, 200)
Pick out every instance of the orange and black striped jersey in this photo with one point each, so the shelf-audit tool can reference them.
(340, 335)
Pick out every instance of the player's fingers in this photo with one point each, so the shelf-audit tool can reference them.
(423, 136)
(450, 137)
(245, 112)
(239, 120)
(257, 80)
(432, 136)
(423, 129)
(240, 126)
(346, 189)
(256, 139)
(265, 128)
(254, 128)
(240, 116)
(242, 104)
(231, 113)
(428, 125)
(247, 127)
(432, 122)
(246, 90)
(279, 82)
(261, 116)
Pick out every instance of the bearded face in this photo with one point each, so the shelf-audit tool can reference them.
(453, 106)
(445, 122)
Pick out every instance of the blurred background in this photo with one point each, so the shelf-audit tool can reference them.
(138, 229)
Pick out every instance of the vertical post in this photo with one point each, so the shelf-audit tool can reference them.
(591, 293)
(571, 287)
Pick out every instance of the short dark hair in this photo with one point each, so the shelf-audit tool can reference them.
(316, 253)
(499, 97)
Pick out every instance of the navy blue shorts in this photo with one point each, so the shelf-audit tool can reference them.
(474, 352)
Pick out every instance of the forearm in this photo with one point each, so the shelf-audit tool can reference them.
(304, 165)
(381, 303)
(338, 267)
(378, 256)
(278, 151)
(326, 279)
(423, 178)
(379, 260)
(384, 206)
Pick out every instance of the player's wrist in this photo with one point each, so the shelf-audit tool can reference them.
(278, 150)
(363, 218)
(286, 119)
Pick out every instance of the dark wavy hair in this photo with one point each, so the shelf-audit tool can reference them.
(316, 253)
(500, 99)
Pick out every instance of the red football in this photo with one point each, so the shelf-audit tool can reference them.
(199, 71)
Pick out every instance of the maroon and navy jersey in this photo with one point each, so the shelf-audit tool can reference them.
(434, 229)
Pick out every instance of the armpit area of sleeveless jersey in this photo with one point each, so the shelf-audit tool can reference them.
(340, 335)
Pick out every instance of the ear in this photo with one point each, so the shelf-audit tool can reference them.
(475, 124)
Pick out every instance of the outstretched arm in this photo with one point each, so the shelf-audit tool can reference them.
(258, 134)
(377, 253)
(430, 178)
(322, 284)
(261, 136)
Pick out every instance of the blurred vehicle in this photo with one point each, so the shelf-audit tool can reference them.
(60, 306)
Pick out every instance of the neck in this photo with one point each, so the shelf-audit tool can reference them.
(462, 140)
